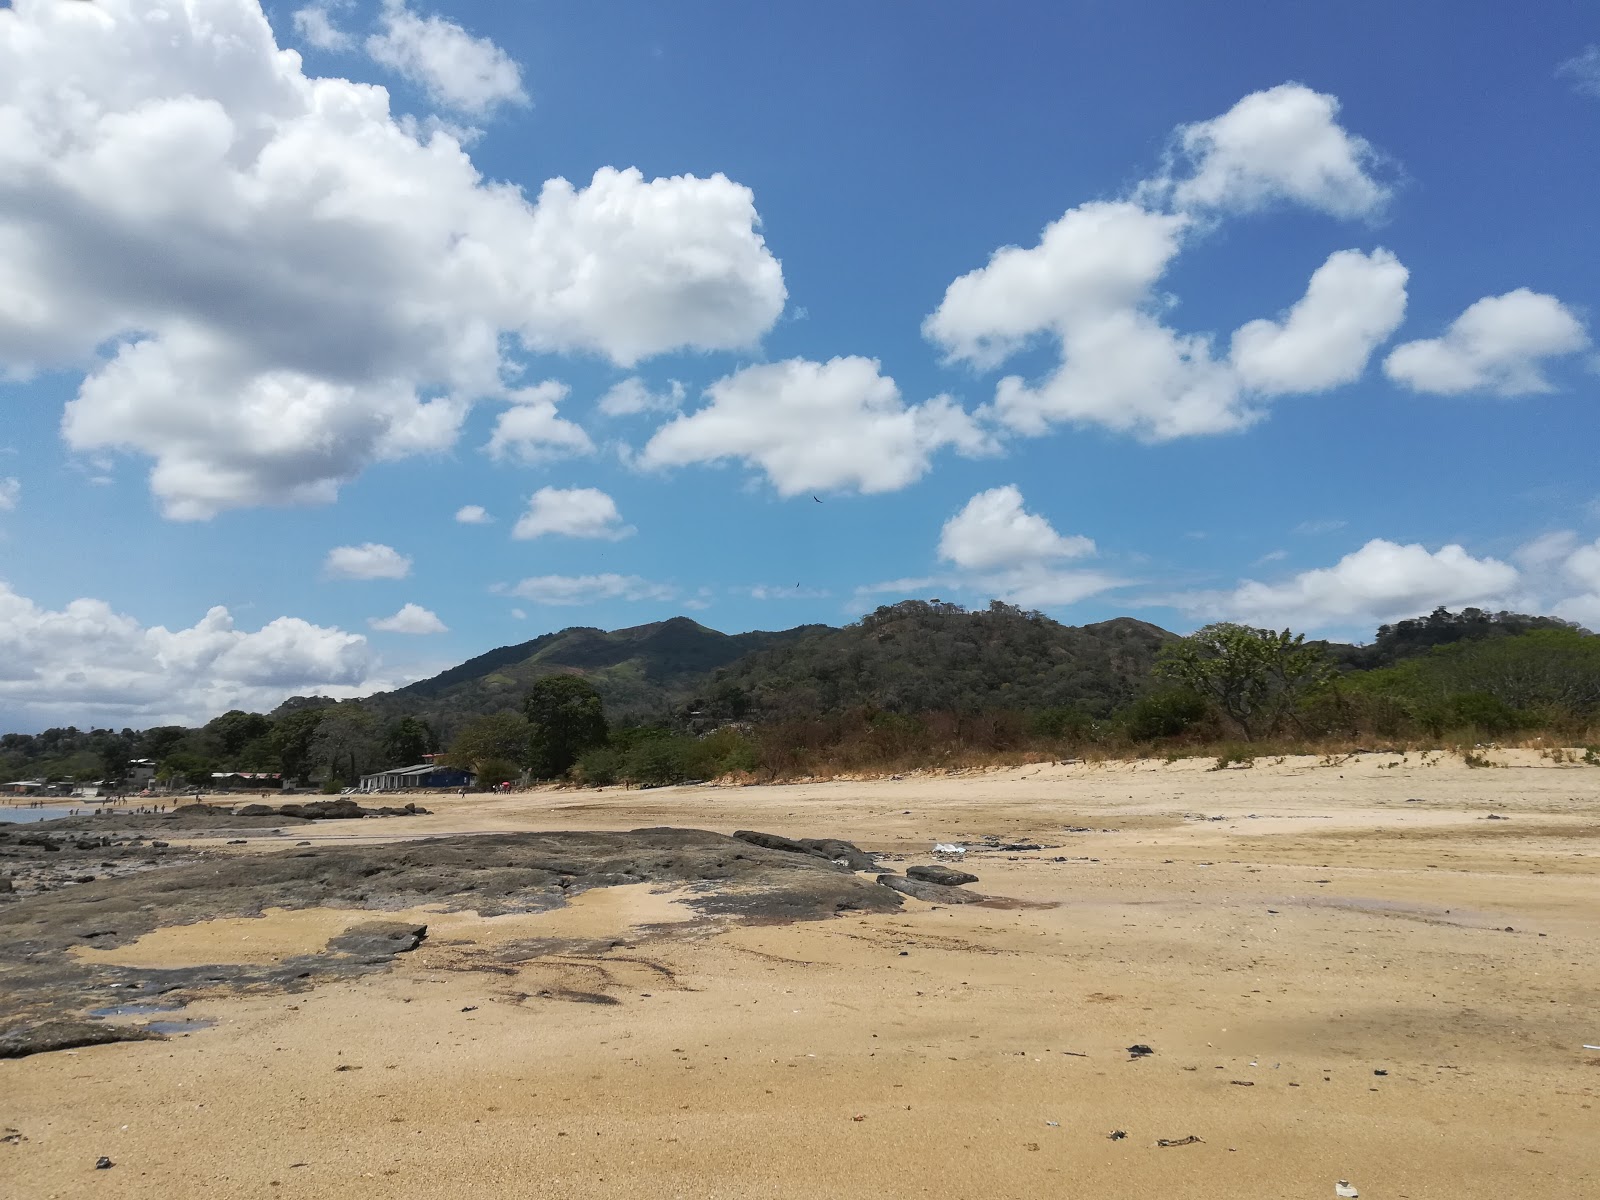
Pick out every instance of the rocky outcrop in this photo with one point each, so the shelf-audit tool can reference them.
(936, 873)
(933, 893)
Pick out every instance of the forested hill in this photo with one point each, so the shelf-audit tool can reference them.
(921, 657)
(908, 657)
(642, 673)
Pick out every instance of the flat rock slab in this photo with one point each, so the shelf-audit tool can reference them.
(25, 1038)
(42, 983)
(947, 876)
(843, 854)
(933, 893)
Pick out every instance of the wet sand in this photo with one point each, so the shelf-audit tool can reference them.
(1339, 921)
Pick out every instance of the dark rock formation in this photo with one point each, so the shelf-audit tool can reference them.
(42, 984)
(935, 873)
(933, 893)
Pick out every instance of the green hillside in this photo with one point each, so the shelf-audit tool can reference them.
(642, 673)
(922, 657)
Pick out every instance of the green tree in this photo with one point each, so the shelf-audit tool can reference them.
(495, 744)
(566, 718)
(346, 742)
(405, 741)
(234, 730)
(292, 738)
(186, 768)
(1257, 677)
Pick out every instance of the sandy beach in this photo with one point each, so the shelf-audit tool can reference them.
(1382, 970)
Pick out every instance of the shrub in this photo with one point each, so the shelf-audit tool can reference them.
(1163, 714)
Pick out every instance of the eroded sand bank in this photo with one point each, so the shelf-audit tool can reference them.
(1339, 921)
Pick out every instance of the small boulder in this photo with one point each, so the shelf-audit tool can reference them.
(947, 876)
(933, 893)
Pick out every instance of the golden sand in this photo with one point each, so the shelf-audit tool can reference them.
(1338, 922)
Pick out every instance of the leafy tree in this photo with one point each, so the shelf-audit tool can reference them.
(1164, 714)
(293, 737)
(187, 768)
(234, 730)
(405, 741)
(160, 741)
(345, 743)
(491, 745)
(566, 718)
(1256, 677)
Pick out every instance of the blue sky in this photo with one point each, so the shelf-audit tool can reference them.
(1309, 342)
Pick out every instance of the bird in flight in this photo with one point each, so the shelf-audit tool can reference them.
(815, 498)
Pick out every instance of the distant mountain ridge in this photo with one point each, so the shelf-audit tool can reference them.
(642, 672)
(905, 657)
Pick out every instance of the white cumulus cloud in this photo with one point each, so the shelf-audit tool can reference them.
(1498, 345)
(370, 560)
(1284, 143)
(1381, 582)
(10, 493)
(572, 512)
(466, 73)
(1352, 304)
(316, 27)
(994, 530)
(632, 395)
(1090, 285)
(529, 430)
(586, 589)
(817, 426)
(473, 514)
(412, 618)
(270, 282)
(86, 662)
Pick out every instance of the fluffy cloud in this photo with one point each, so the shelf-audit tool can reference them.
(529, 430)
(473, 514)
(315, 26)
(1284, 143)
(1584, 71)
(1352, 304)
(1042, 587)
(586, 589)
(814, 426)
(87, 662)
(994, 530)
(10, 494)
(633, 395)
(370, 560)
(292, 284)
(1580, 565)
(469, 74)
(1378, 583)
(411, 618)
(573, 512)
(1090, 284)
(1498, 346)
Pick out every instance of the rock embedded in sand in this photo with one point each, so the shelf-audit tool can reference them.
(23, 1039)
(933, 893)
(946, 876)
(44, 980)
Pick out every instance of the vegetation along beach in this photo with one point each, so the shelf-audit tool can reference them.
(786, 601)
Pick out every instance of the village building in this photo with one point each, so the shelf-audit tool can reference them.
(422, 775)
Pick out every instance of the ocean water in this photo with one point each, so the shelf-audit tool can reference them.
(48, 813)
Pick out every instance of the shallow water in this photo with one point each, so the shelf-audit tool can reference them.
(179, 1025)
(22, 815)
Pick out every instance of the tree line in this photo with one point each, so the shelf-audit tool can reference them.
(1440, 680)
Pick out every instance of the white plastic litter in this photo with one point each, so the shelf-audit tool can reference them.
(1343, 1190)
(948, 848)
